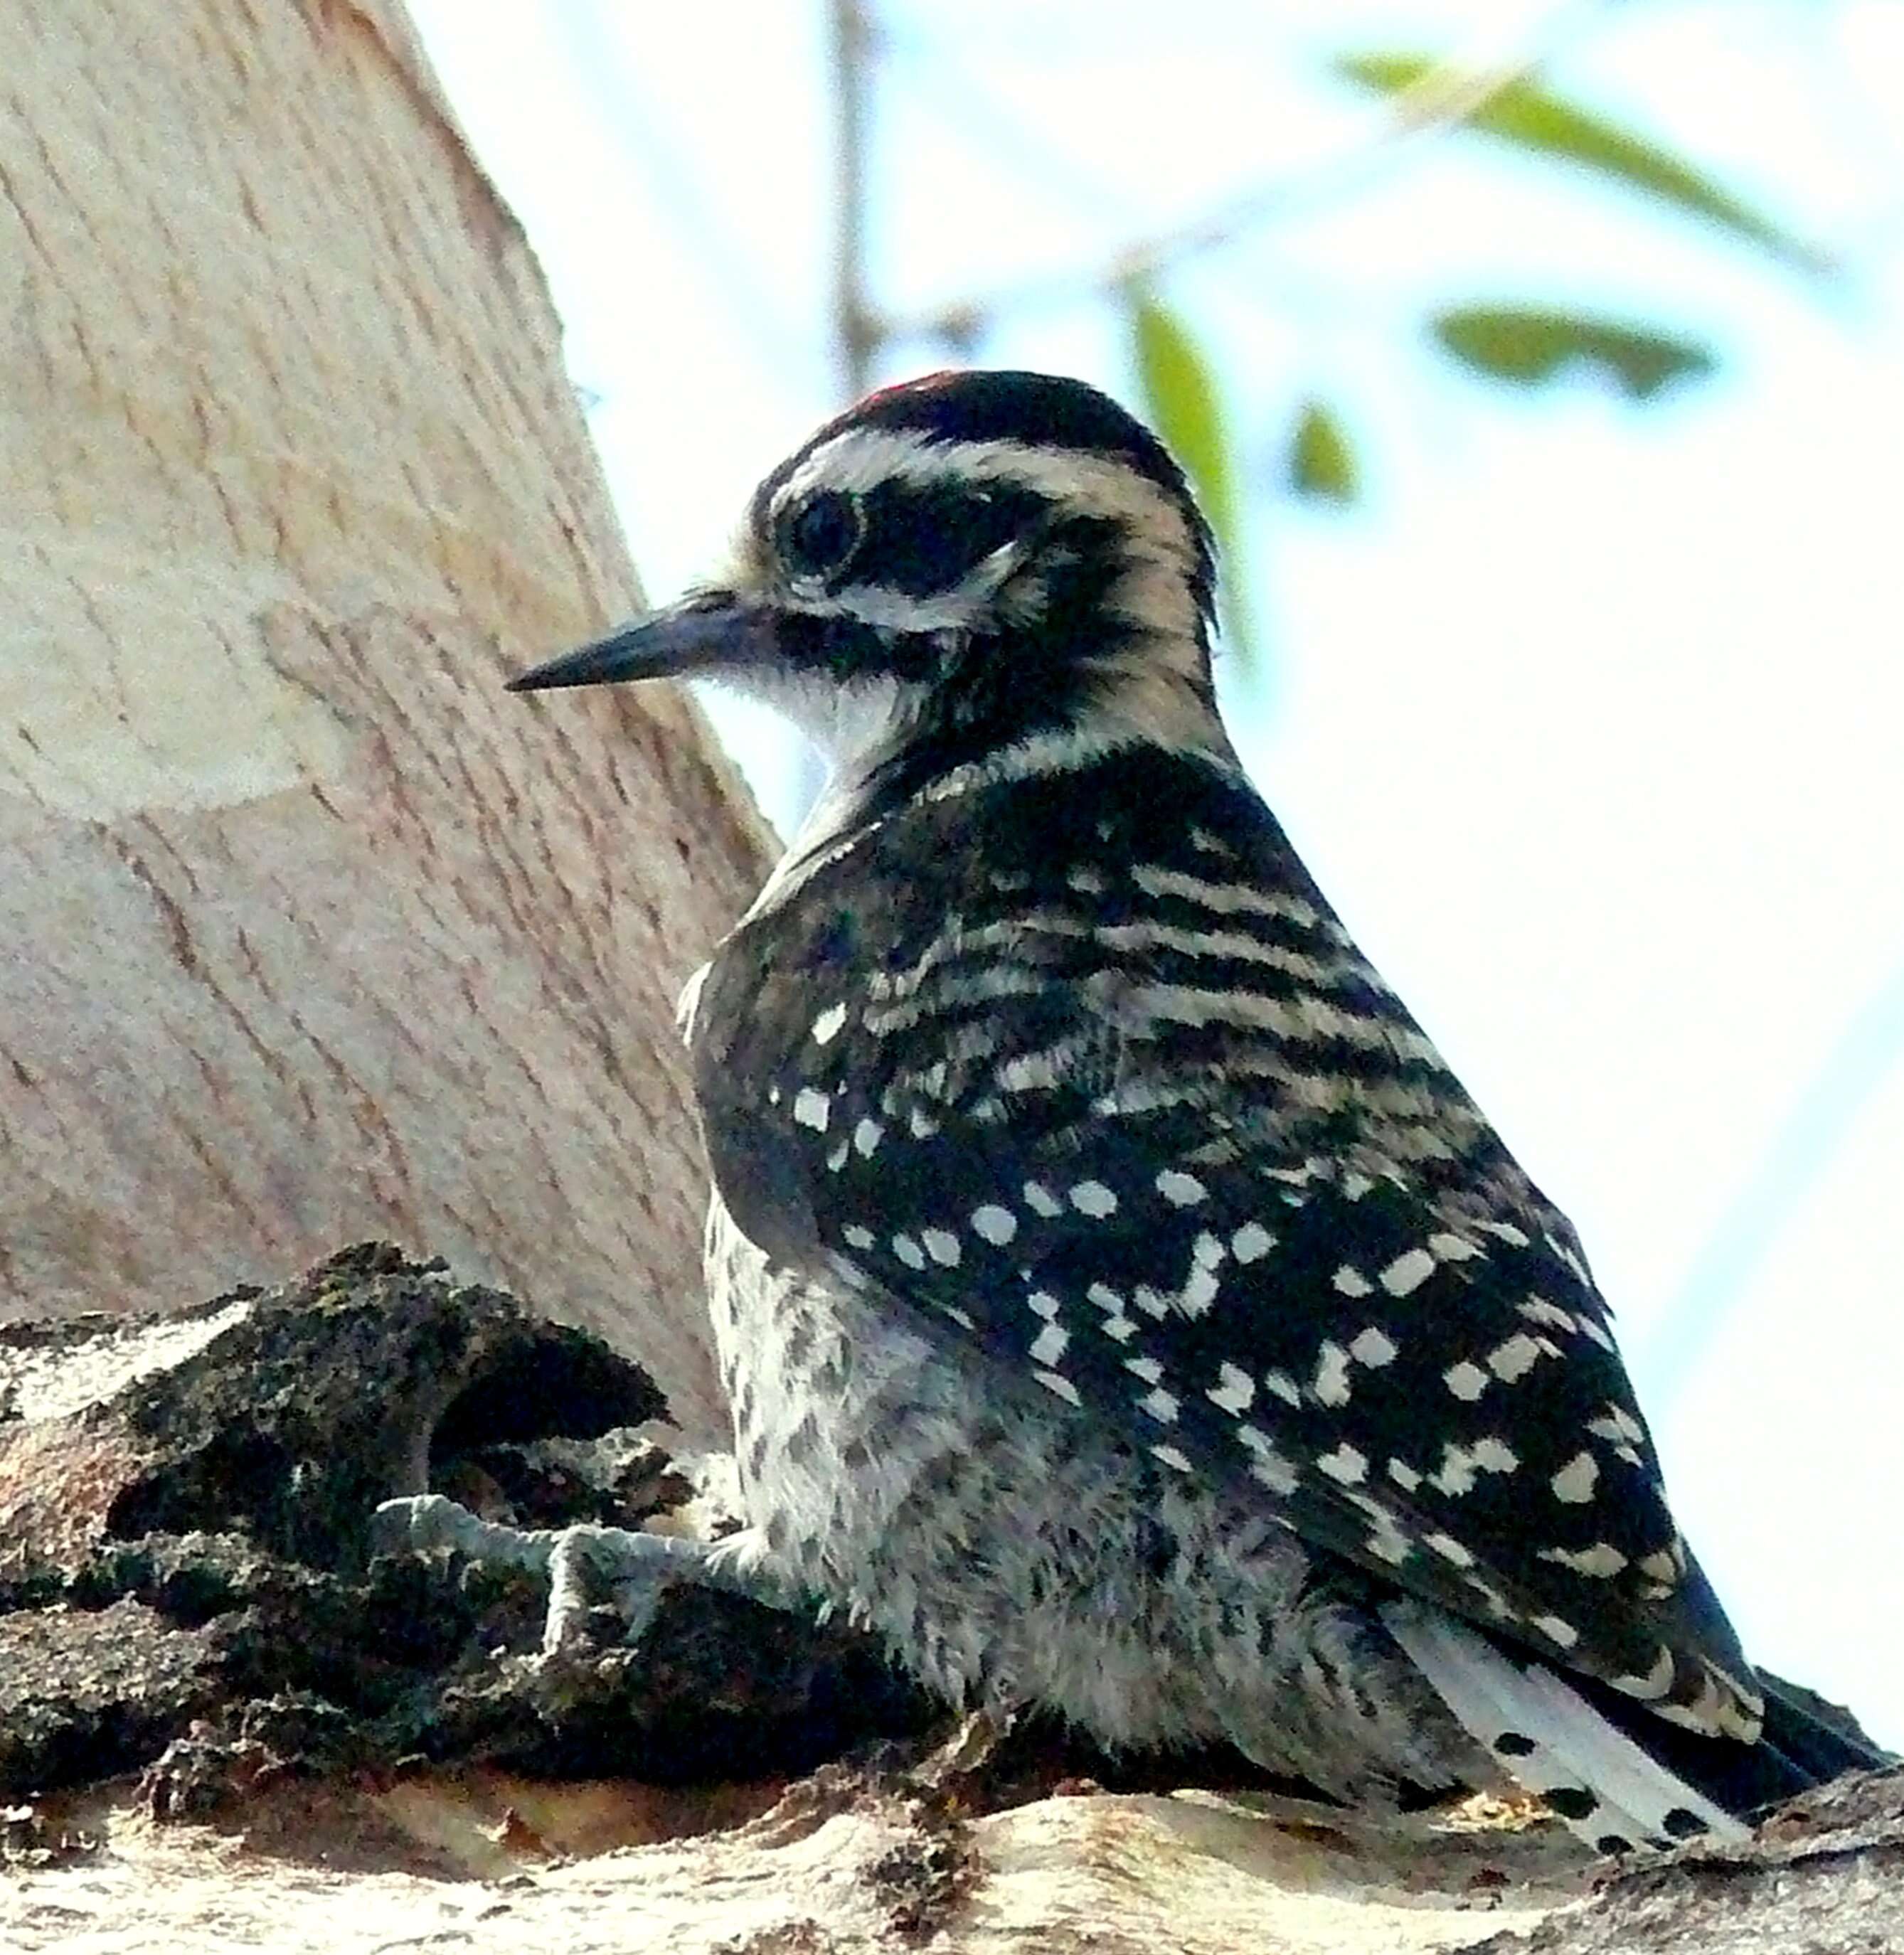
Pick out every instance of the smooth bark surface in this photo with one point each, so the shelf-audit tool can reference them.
(308, 931)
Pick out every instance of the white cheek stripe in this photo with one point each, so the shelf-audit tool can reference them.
(878, 605)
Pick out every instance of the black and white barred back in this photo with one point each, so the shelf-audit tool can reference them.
(1123, 1307)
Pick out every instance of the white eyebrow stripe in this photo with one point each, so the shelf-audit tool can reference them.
(859, 459)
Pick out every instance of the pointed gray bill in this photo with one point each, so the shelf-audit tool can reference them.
(706, 632)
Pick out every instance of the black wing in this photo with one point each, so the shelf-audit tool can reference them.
(1137, 1121)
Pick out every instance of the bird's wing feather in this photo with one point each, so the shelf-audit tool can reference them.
(1169, 1147)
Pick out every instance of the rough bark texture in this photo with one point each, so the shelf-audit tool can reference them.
(190, 1587)
(307, 931)
(850, 1864)
(225, 1718)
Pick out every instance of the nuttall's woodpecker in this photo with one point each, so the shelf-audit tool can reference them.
(1124, 1309)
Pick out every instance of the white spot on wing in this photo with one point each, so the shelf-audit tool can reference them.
(941, 1246)
(1618, 1425)
(1344, 1464)
(1252, 1243)
(1569, 1256)
(1373, 1347)
(826, 1027)
(1049, 1346)
(1537, 1309)
(1574, 1482)
(1386, 1544)
(1199, 1292)
(1448, 1248)
(1041, 1202)
(1267, 1464)
(994, 1224)
(1498, 1605)
(1331, 1386)
(1409, 1272)
(1053, 1381)
(1161, 1405)
(1233, 1390)
(1465, 1380)
(811, 1107)
(1514, 1358)
(1349, 1281)
(1094, 1199)
(1603, 1560)
(1180, 1190)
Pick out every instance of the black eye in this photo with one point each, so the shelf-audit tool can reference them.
(817, 539)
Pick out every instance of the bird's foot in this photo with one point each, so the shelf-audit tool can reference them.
(585, 1566)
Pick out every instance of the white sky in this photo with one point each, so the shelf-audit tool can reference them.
(1590, 721)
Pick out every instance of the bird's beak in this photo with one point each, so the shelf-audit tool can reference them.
(709, 631)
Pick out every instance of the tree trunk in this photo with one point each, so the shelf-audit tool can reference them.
(310, 932)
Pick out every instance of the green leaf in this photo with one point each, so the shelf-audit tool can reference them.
(1322, 463)
(1527, 344)
(1533, 117)
(1181, 402)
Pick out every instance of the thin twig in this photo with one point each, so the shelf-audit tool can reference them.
(1450, 94)
(856, 331)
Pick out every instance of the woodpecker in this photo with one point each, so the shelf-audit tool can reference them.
(1123, 1308)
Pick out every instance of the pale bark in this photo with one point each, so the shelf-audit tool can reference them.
(481, 1863)
(856, 1874)
(308, 931)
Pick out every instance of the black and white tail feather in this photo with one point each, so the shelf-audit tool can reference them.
(1616, 1777)
(1550, 1739)
(1072, 1161)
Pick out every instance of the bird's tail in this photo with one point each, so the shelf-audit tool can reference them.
(1616, 1772)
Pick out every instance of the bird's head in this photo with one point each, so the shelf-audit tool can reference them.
(952, 569)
